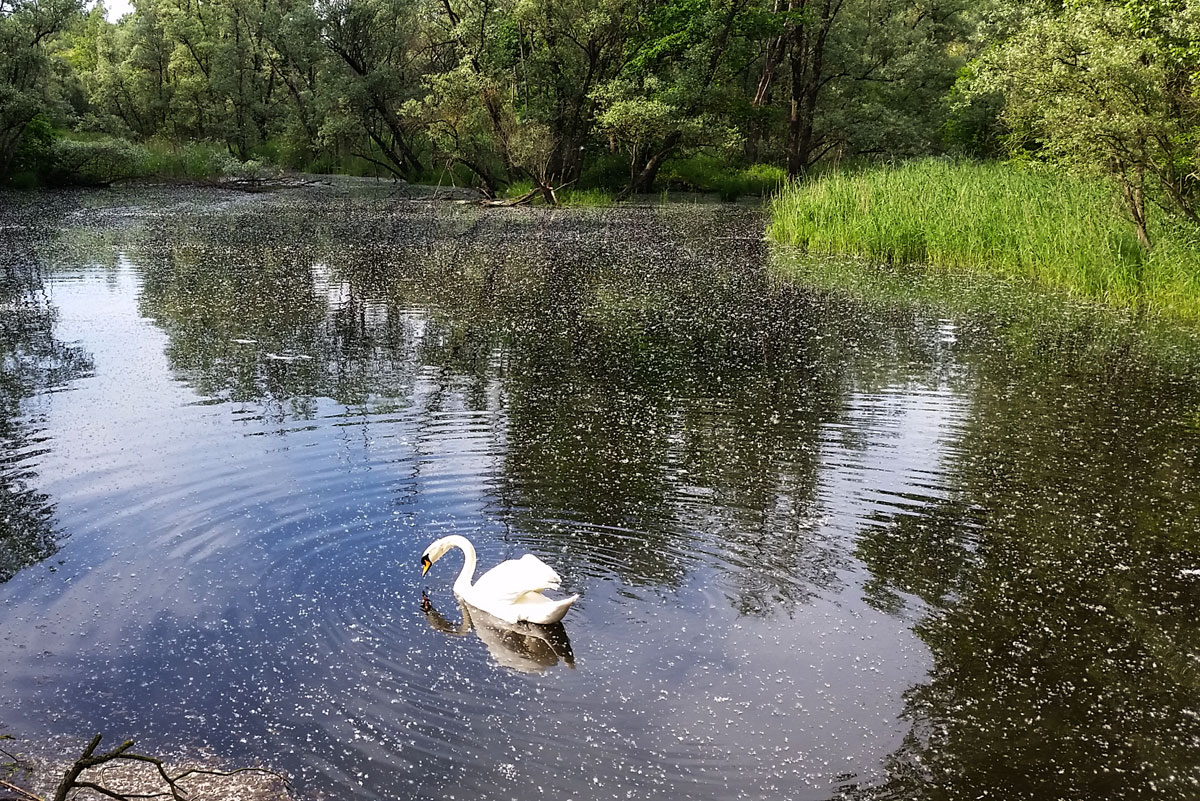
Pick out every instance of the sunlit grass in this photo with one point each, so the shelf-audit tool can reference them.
(586, 197)
(713, 175)
(566, 197)
(1056, 230)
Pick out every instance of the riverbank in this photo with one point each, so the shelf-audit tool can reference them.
(1055, 230)
(105, 160)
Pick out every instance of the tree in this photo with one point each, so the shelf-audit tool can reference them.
(862, 77)
(1109, 89)
(670, 94)
(560, 51)
(27, 85)
(374, 75)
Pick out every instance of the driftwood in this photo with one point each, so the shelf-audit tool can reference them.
(545, 190)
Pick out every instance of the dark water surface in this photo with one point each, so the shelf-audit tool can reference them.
(826, 547)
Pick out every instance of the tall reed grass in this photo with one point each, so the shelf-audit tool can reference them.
(1054, 229)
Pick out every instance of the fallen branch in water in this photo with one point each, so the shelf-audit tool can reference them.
(21, 792)
(546, 192)
(74, 779)
(14, 766)
(513, 201)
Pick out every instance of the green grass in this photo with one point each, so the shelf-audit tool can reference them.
(517, 188)
(1020, 223)
(712, 175)
(566, 197)
(586, 197)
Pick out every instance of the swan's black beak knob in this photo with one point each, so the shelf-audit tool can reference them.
(425, 563)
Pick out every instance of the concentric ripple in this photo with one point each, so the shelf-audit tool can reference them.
(242, 420)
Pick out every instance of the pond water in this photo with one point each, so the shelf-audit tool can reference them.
(826, 546)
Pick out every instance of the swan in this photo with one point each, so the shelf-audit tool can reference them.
(510, 591)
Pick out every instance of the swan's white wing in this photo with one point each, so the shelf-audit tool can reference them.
(507, 581)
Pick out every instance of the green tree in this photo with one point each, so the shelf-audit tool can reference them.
(376, 72)
(1108, 88)
(670, 95)
(862, 77)
(561, 51)
(28, 85)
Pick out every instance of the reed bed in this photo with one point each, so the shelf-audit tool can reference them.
(1022, 223)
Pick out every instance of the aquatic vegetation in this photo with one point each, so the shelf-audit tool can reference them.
(1019, 223)
(1037, 324)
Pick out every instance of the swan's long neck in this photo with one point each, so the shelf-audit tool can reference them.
(463, 582)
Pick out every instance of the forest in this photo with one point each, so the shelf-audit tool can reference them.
(605, 92)
(622, 94)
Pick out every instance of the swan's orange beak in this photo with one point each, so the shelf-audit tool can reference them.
(425, 563)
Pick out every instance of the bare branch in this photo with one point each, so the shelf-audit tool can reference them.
(89, 759)
(20, 791)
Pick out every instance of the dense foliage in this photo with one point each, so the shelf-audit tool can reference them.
(605, 92)
(614, 93)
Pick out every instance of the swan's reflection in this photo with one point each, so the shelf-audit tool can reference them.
(526, 647)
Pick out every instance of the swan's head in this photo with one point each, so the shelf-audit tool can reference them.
(433, 553)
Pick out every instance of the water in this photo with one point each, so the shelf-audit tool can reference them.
(826, 546)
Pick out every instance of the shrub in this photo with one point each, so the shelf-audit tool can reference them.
(192, 160)
(34, 152)
(96, 162)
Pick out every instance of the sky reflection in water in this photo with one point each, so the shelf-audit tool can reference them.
(823, 545)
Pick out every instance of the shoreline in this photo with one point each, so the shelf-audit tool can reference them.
(995, 219)
(41, 765)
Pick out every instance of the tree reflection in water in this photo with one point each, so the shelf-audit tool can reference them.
(1061, 623)
(33, 362)
(632, 384)
(647, 404)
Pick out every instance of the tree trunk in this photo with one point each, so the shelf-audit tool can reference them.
(1135, 201)
(806, 56)
(643, 180)
(775, 49)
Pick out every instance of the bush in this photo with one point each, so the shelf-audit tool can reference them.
(34, 152)
(192, 160)
(97, 162)
(252, 170)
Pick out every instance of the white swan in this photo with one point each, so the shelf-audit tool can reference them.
(510, 591)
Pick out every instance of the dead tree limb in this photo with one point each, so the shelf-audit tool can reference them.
(90, 759)
(545, 191)
(21, 792)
